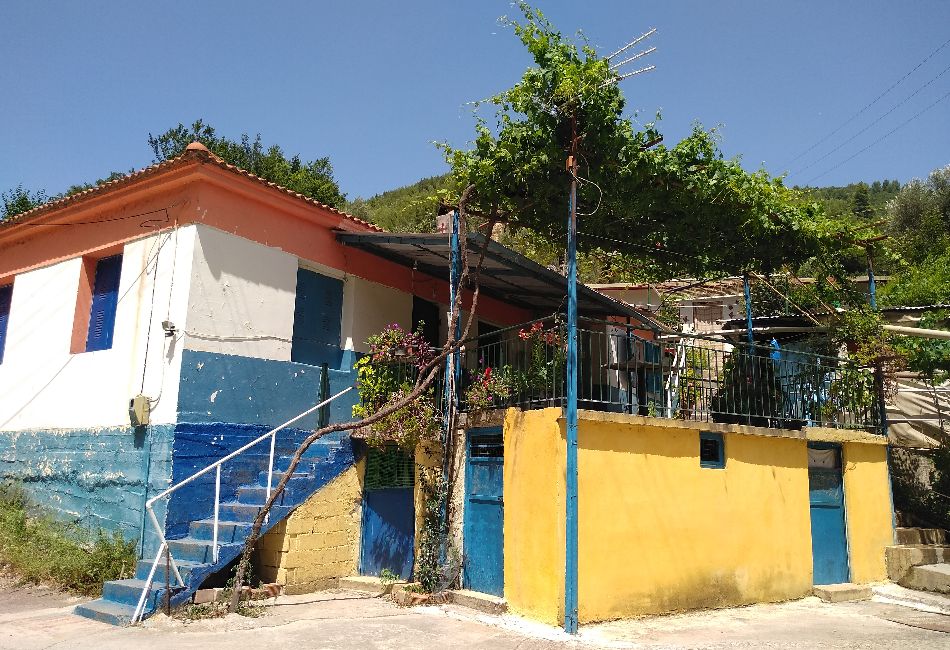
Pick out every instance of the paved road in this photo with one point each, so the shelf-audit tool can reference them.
(39, 619)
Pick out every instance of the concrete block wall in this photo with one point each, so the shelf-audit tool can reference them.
(97, 477)
(319, 542)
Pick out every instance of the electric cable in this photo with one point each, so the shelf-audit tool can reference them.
(872, 103)
(865, 129)
(879, 140)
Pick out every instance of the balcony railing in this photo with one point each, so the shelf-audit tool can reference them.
(689, 378)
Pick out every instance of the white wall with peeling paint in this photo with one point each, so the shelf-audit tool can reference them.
(368, 307)
(44, 386)
(242, 297)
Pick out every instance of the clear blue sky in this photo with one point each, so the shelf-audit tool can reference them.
(371, 84)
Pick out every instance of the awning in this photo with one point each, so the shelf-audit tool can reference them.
(506, 275)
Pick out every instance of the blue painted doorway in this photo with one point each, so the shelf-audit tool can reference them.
(829, 542)
(388, 523)
(484, 541)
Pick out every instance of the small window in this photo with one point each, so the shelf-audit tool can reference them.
(105, 298)
(712, 451)
(389, 467)
(6, 296)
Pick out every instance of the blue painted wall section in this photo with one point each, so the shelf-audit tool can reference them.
(245, 390)
(225, 401)
(98, 478)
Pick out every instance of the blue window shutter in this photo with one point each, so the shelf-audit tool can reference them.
(318, 312)
(6, 296)
(105, 297)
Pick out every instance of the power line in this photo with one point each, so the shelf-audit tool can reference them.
(865, 129)
(879, 140)
(642, 246)
(872, 103)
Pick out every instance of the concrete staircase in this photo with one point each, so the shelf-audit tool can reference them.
(194, 554)
(921, 559)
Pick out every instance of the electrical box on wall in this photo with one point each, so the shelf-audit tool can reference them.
(140, 409)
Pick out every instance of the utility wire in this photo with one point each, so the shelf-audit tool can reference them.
(879, 140)
(642, 246)
(872, 103)
(865, 129)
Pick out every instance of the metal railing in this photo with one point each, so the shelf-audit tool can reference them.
(685, 377)
(216, 466)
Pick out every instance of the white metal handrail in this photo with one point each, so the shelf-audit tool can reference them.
(163, 547)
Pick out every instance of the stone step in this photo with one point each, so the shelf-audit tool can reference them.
(106, 611)
(928, 577)
(369, 584)
(921, 536)
(479, 601)
(842, 592)
(900, 559)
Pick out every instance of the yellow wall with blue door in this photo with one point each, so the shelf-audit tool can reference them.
(659, 533)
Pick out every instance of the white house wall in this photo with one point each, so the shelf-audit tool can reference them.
(44, 386)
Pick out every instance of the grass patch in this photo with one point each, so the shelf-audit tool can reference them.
(36, 547)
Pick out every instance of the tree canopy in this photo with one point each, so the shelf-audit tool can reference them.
(695, 211)
(312, 178)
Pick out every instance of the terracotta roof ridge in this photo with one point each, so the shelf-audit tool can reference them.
(194, 151)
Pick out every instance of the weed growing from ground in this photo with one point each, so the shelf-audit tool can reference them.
(36, 547)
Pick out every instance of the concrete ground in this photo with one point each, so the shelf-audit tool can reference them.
(40, 618)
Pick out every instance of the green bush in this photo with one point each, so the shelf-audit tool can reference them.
(39, 548)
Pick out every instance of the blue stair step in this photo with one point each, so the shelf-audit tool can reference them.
(106, 611)
(194, 554)
(128, 592)
(184, 568)
(246, 512)
(228, 531)
(193, 550)
(278, 476)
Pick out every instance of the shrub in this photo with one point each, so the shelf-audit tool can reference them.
(39, 548)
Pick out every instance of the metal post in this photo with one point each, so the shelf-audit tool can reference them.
(748, 308)
(571, 534)
(217, 506)
(453, 361)
(168, 586)
(878, 371)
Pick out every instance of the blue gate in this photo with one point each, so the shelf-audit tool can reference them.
(484, 555)
(388, 526)
(829, 544)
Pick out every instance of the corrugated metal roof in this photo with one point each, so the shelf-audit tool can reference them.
(506, 274)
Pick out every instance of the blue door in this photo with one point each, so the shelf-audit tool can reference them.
(829, 544)
(388, 526)
(484, 541)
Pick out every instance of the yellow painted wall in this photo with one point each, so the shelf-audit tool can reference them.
(868, 503)
(534, 493)
(659, 533)
(319, 542)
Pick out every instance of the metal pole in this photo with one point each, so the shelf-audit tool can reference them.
(571, 532)
(878, 370)
(452, 363)
(748, 307)
(217, 506)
